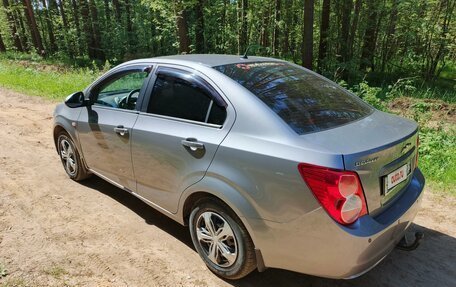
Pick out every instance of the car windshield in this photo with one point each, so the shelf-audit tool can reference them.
(305, 101)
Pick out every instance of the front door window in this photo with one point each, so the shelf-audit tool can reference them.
(122, 91)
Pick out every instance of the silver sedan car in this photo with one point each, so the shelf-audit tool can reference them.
(269, 164)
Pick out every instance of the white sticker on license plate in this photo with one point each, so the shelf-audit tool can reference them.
(397, 176)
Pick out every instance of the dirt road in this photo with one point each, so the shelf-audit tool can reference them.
(56, 232)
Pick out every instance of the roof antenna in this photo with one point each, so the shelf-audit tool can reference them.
(246, 51)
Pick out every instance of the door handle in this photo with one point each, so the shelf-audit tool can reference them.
(193, 144)
(121, 130)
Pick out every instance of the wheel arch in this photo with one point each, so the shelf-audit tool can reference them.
(61, 127)
(236, 201)
(211, 187)
(57, 130)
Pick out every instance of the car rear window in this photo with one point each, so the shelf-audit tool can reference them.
(305, 101)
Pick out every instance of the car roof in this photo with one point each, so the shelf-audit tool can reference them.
(212, 60)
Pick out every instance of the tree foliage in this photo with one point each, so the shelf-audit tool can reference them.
(344, 39)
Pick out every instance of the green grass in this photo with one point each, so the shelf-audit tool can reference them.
(38, 79)
(441, 89)
(56, 271)
(437, 158)
(3, 271)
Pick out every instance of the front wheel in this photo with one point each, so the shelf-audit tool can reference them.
(221, 240)
(71, 160)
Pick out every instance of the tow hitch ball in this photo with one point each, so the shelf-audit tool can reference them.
(406, 245)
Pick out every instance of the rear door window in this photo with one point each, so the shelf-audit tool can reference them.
(184, 99)
(305, 101)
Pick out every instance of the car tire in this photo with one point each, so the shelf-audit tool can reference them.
(225, 246)
(70, 157)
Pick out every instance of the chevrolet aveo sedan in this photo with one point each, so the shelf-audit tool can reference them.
(269, 164)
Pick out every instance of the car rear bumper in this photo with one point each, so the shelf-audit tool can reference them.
(314, 244)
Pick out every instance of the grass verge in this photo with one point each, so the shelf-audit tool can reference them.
(437, 121)
(40, 79)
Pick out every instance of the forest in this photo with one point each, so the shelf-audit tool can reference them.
(341, 39)
(398, 55)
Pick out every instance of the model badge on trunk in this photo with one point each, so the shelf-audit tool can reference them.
(366, 161)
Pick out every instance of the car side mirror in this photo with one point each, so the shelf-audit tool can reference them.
(76, 100)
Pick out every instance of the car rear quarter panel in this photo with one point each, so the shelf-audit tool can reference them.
(266, 174)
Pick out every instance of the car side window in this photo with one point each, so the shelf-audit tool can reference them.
(179, 98)
(121, 91)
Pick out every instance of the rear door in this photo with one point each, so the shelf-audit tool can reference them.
(182, 122)
(104, 128)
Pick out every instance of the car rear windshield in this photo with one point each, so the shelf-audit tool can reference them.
(305, 101)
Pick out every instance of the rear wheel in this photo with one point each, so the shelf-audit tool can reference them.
(221, 240)
(70, 158)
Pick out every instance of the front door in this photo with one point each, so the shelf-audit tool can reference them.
(105, 127)
(177, 135)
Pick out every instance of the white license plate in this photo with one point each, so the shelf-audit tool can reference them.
(396, 177)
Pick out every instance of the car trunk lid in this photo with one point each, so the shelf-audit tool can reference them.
(376, 146)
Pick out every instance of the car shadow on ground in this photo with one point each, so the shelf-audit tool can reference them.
(433, 263)
(149, 214)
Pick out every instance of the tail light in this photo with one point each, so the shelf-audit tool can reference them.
(339, 192)
(417, 146)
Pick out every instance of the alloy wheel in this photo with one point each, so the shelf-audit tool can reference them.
(216, 238)
(68, 157)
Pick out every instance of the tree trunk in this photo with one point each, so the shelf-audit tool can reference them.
(63, 15)
(276, 36)
(12, 25)
(75, 11)
(224, 28)
(449, 8)
(23, 32)
(345, 29)
(354, 28)
(288, 23)
(182, 29)
(130, 35)
(294, 45)
(324, 29)
(107, 12)
(391, 29)
(42, 27)
(68, 41)
(307, 46)
(243, 35)
(199, 27)
(30, 17)
(50, 28)
(117, 10)
(369, 39)
(152, 43)
(96, 37)
(264, 35)
(87, 26)
(2, 44)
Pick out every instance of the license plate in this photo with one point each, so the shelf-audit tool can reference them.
(396, 177)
